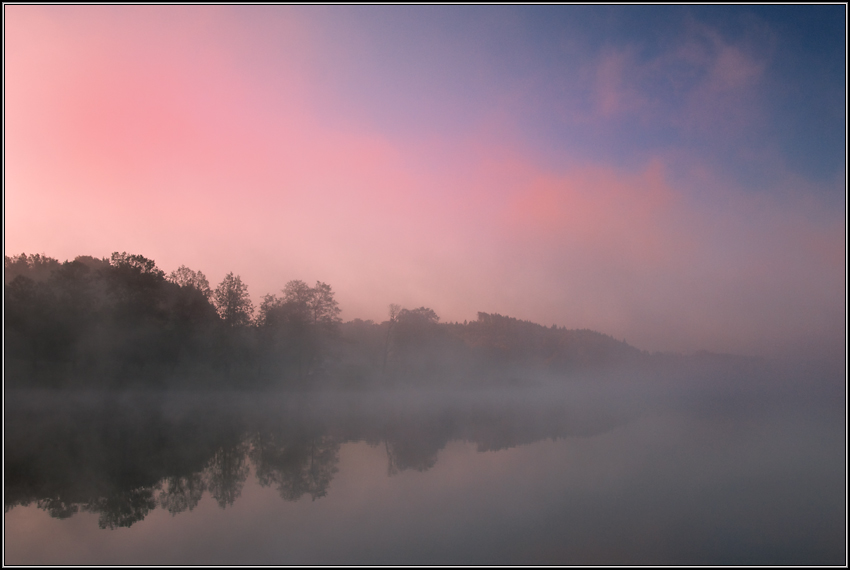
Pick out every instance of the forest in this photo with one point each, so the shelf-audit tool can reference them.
(124, 323)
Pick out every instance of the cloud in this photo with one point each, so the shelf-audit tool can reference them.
(617, 90)
(669, 263)
(699, 83)
(227, 152)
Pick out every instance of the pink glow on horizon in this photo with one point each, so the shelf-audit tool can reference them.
(190, 148)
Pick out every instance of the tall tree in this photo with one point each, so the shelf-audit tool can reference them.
(185, 277)
(394, 311)
(267, 313)
(315, 306)
(232, 301)
(297, 295)
(323, 307)
(135, 281)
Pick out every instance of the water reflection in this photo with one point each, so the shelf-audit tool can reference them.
(295, 466)
(180, 494)
(722, 472)
(121, 457)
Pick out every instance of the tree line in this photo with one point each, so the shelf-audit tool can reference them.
(123, 322)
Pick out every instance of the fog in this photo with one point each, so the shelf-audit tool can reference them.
(159, 420)
(425, 285)
(771, 435)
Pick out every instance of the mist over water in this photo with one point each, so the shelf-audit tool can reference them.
(152, 419)
(691, 463)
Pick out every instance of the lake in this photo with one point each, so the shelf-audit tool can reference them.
(616, 472)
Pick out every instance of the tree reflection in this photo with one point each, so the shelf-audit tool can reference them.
(181, 494)
(226, 474)
(123, 509)
(295, 466)
(403, 454)
(124, 457)
(57, 508)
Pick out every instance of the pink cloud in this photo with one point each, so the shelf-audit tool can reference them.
(702, 83)
(129, 132)
(615, 88)
(733, 70)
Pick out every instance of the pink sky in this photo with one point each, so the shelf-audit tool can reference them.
(210, 137)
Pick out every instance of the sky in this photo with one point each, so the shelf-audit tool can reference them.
(673, 177)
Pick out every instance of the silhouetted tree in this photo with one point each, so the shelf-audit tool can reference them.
(36, 267)
(135, 283)
(267, 307)
(140, 263)
(295, 328)
(296, 302)
(393, 311)
(416, 326)
(414, 342)
(232, 301)
(323, 307)
(185, 277)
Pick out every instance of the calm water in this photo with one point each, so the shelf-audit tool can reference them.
(623, 473)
